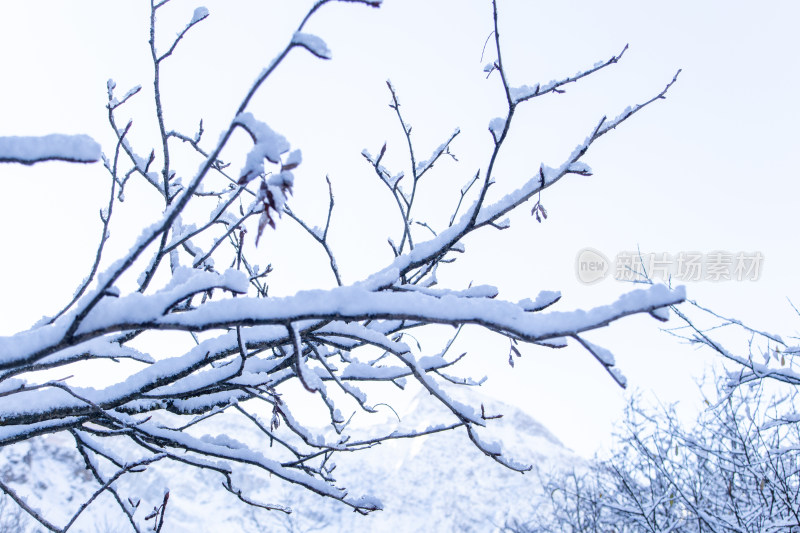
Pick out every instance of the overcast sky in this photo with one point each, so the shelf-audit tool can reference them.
(711, 168)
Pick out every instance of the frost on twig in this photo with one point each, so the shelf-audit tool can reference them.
(313, 44)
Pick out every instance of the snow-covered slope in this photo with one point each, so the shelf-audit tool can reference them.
(435, 483)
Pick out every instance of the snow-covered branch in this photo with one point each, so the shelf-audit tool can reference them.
(234, 351)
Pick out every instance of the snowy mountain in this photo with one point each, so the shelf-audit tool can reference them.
(436, 483)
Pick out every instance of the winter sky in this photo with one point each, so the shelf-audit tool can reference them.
(711, 168)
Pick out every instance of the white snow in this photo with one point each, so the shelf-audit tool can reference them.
(496, 127)
(199, 14)
(543, 299)
(267, 144)
(294, 158)
(29, 150)
(661, 313)
(523, 92)
(602, 354)
(579, 167)
(312, 43)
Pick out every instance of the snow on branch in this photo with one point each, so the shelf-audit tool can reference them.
(199, 14)
(267, 144)
(54, 147)
(313, 44)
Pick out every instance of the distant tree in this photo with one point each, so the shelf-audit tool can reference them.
(191, 274)
(12, 517)
(735, 470)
